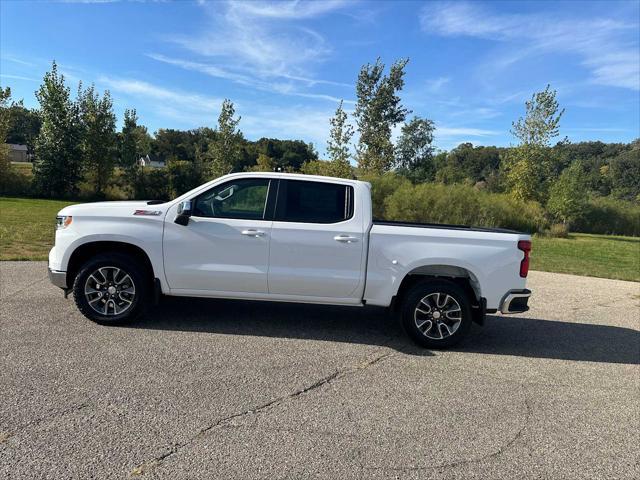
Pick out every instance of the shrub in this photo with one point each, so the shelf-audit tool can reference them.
(382, 186)
(568, 196)
(183, 176)
(558, 230)
(15, 179)
(607, 215)
(464, 205)
(331, 168)
(152, 184)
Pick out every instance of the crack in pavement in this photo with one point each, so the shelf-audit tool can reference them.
(501, 449)
(149, 465)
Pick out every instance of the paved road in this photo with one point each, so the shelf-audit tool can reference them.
(222, 389)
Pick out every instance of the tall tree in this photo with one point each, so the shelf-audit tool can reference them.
(129, 151)
(624, 174)
(541, 121)
(569, 195)
(225, 151)
(5, 117)
(338, 143)
(529, 165)
(414, 150)
(128, 147)
(98, 124)
(57, 167)
(378, 110)
(24, 125)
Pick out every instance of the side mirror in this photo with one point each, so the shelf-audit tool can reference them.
(184, 212)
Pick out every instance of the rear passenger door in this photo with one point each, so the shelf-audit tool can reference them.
(316, 241)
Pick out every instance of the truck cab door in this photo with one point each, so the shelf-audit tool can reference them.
(225, 245)
(317, 241)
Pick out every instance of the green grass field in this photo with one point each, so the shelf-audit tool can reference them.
(27, 231)
(27, 227)
(591, 255)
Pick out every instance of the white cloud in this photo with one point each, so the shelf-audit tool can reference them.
(293, 122)
(208, 69)
(19, 61)
(449, 137)
(194, 110)
(181, 105)
(17, 77)
(435, 84)
(607, 47)
(89, 1)
(289, 9)
(260, 44)
(442, 131)
(281, 87)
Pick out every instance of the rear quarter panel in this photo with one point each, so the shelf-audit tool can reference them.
(492, 259)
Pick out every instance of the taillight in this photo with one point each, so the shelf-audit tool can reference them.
(525, 246)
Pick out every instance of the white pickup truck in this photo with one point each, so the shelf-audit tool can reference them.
(291, 238)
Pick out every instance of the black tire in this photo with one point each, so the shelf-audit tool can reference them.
(428, 290)
(129, 266)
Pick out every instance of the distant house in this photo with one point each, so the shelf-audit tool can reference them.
(18, 153)
(147, 162)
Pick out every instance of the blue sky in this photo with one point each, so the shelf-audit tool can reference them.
(287, 64)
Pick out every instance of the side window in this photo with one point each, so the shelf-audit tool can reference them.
(243, 199)
(313, 202)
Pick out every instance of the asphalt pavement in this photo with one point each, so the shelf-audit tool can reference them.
(254, 390)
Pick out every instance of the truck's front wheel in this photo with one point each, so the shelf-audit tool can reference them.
(436, 314)
(111, 289)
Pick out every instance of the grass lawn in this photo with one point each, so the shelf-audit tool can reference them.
(591, 255)
(27, 231)
(27, 227)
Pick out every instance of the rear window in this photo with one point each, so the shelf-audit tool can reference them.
(313, 202)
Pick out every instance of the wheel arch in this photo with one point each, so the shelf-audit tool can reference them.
(461, 276)
(90, 249)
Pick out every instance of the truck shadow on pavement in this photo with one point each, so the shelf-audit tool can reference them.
(501, 335)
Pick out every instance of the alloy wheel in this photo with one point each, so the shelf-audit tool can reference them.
(110, 291)
(438, 316)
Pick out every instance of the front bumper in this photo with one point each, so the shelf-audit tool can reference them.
(59, 279)
(515, 301)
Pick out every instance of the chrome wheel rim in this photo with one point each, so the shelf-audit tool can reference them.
(438, 316)
(110, 291)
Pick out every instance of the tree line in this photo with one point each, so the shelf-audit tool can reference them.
(76, 148)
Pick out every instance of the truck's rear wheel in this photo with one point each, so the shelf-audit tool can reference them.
(111, 289)
(436, 314)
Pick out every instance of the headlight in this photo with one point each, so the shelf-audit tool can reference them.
(63, 221)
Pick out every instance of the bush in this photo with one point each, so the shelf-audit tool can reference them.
(609, 216)
(152, 184)
(15, 179)
(464, 205)
(327, 168)
(183, 176)
(558, 230)
(382, 186)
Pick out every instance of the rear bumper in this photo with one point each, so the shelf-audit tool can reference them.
(515, 301)
(59, 279)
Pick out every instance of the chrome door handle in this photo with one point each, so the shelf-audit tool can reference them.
(345, 238)
(252, 232)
